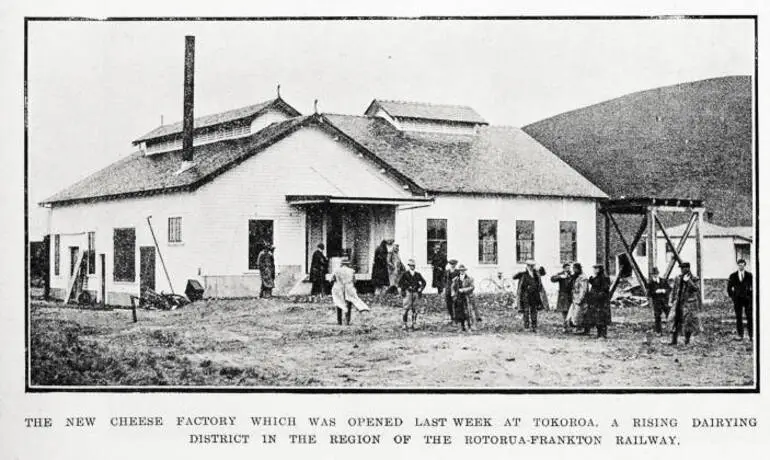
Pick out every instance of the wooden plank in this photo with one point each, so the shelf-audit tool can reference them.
(698, 256)
(74, 277)
(680, 246)
(668, 240)
(652, 247)
(630, 254)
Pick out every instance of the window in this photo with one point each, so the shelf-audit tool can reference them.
(260, 235)
(567, 241)
(436, 235)
(124, 259)
(174, 229)
(56, 254)
(487, 241)
(525, 240)
(91, 254)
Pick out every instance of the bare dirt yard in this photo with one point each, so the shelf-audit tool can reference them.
(277, 342)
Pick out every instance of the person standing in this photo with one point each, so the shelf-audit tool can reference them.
(266, 266)
(599, 313)
(344, 294)
(577, 310)
(529, 294)
(438, 261)
(449, 275)
(380, 279)
(659, 290)
(411, 284)
(565, 279)
(395, 267)
(740, 290)
(462, 295)
(685, 301)
(319, 266)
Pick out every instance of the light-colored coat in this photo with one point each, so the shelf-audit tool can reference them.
(344, 289)
(577, 311)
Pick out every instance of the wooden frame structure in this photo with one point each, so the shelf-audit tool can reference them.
(649, 208)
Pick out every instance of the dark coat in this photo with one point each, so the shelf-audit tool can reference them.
(411, 283)
(462, 295)
(598, 300)
(659, 290)
(685, 299)
(439, 267)
(738, 290)
(530, 292)
(565, 280)
(319, 265)
(380, 275)
(266, 265)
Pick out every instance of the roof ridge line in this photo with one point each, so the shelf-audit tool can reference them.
(434, 104)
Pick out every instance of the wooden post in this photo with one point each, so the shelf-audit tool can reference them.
(607, 244)
(133, 310)
(698, 249)
(652, 247)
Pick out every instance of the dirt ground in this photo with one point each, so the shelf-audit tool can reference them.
(278, 342)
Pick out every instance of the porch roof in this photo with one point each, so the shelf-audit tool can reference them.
(329, 199)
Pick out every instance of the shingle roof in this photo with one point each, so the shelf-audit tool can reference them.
(140, 174)
(497, 160)
(219, 118)
(425, 111)
(712, 231)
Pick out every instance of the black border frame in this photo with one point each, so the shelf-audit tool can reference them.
(28, 388)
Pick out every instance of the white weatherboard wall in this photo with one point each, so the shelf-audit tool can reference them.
(72, 222)
(308, 162)
(718, 254)
(463, 214)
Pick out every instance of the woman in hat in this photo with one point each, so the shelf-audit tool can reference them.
(598, 300)
(380, 279)
(395, 267)
(462, 294)
(577, 310)
(344, 292)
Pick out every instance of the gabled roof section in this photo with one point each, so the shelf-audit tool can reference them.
(497, 160)
(139, 175)
(710, 230)
(425, 111)
(250, 111)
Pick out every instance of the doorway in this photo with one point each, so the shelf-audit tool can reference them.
(334, 232)
(146, 268)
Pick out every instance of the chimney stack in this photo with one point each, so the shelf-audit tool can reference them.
(189, 99)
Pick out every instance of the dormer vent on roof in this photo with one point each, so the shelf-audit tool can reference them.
(424, 117)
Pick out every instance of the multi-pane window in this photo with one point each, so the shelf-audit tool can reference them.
(567, 241)
(525, 240)
(437, 237)
(91, 254)
(487, 241)
(174, 229)
(56, 254)
(124, 248)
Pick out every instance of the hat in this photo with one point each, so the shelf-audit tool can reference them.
(566, 265)
(462, 268)
(741, 261)
(452, 261)
(655, 271)
(684, 265)
(321, 246)
(531, 262)
(411, 263)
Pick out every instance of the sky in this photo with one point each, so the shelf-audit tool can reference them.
(93, 87)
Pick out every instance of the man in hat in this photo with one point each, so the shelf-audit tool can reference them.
(530, 293)
(740, 290)
(266, 266)
(462, 295)
(659, 290)
(685, 300)
(565, 279)
(344, 294)
(411, 284)
(319, 265)
(438, 261)
(449, 275)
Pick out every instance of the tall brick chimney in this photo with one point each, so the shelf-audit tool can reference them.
(189, 98)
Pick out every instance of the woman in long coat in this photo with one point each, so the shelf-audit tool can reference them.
(380, 278)
(319, 265)
(565, 279)
(395, 267)
(577, 310)
(266, 266)
(598, 299)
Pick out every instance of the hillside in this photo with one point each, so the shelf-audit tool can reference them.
(691, 140)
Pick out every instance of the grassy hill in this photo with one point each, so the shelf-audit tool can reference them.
(691, 140)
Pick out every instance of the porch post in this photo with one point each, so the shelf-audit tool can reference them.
(698, 250)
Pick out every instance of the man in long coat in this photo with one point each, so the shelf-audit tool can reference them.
(344, 294)
(598, 300)
(319, 265)
(449, 276)
(685, 300)
(565, 279)
(740, 290)
(530, 294)
(266, 266)
(438, 261)
(462, 294)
